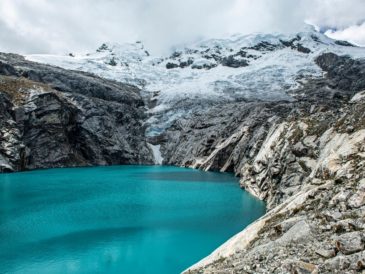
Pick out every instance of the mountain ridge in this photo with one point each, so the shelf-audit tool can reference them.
(286, 117)
(209, 71)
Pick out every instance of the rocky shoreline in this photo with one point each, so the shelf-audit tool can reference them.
(304, 157)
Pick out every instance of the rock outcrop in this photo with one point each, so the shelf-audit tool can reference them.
(304, 157)
(303, 153)
(51, 117)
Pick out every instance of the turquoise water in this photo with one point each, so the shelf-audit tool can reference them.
(121, 219)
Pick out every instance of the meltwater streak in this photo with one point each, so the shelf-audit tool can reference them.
(121, 219)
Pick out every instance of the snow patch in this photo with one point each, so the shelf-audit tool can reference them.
(156, 151)
(358, 97)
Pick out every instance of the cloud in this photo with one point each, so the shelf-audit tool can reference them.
(336, 13)
(354, 34)
(61, 26)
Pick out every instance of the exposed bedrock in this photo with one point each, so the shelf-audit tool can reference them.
(305, 158)
(51, 117)
(274, 146)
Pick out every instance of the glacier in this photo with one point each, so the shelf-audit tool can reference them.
(255, 67)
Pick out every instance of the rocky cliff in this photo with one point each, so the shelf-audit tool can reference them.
(282, 113)
(51, 117)
(304, 157)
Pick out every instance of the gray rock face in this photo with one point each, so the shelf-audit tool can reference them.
(51, 117)
(350, 243)
(357, 200)
(273, 147)
(346, 74)
(304, 157)
(74, 82)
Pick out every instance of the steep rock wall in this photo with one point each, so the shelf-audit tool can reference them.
(305, 158)
(51, 117)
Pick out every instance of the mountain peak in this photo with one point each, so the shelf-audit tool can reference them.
(239, 67)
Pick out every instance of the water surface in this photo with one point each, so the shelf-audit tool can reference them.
(121, 219)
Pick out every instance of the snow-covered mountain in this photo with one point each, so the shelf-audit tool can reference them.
(237, 68)
(285, 113)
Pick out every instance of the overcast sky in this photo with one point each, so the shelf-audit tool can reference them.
(61, 26)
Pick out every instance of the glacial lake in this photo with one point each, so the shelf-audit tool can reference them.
(120, 219)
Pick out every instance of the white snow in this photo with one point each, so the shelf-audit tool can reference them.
(269, 76)
(358, 97)
(156, 154)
